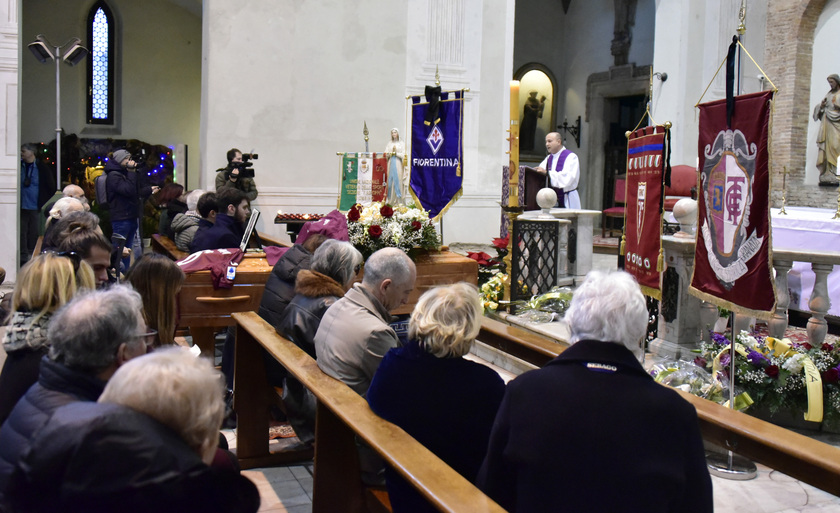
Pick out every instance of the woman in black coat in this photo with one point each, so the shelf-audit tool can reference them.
(333, 269)
(426, 387)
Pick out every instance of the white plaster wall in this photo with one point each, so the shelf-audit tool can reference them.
(157, 67)
(691, 41)
(9, 128)
(641, 48)
(318, 71)
(824, 64)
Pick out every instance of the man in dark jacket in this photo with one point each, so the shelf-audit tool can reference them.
(592, 431)
(37, 186)
(207, 207)
(279, 291)
(141, 448)
(233, 210)
(280, 287)
(127, 190)
(90, 338)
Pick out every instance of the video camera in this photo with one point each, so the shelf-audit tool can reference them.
(139, 159)
(245, 167)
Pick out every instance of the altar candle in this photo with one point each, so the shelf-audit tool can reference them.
(513, 197)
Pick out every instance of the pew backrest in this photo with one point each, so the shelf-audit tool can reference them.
(798, 456)
(341, 416)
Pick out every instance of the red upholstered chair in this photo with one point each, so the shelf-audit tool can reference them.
(620, 199)
(683, 179)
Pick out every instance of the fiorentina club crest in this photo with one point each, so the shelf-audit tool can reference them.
(435, 139)
(727, 178)
(640, 210)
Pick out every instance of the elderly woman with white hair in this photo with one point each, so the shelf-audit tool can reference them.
(426, 387)
(592, 431)
(63, 207)
(145, 446)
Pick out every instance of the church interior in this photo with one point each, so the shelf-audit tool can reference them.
(301, 83)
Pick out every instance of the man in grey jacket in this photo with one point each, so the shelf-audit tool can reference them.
(355, 334)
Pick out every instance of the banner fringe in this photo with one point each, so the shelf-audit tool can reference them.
(651, 292)
(660, 260)
(728, 305)
(455, 198)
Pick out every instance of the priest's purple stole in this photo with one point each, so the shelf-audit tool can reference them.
(564, 153)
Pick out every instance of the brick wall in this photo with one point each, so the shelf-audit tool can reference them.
(788, 56)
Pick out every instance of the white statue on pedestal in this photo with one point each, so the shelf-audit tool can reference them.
(395, 151)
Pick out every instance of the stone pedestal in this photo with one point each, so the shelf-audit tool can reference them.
(580, 238)
(680, 329)
(540, 254)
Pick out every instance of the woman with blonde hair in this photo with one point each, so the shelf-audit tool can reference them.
(158, 280)
(426, 387)
(45, 284)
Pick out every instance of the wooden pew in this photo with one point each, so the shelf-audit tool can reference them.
(204, 309)
(798, 456)
(341, 416)
(166, 246)
(521, 343)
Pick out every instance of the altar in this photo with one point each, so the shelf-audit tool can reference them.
(808, 229)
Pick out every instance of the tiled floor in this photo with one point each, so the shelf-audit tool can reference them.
(284, 488)
(289, 489)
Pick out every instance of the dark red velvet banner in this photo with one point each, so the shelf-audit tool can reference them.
(643, 211)
(732, 261)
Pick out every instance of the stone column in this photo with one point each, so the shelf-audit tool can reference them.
(779, 323)
(819, 304)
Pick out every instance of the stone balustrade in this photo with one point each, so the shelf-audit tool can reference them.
(684, 319)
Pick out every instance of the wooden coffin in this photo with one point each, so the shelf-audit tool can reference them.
(203, 309)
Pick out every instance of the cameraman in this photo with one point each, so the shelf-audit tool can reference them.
(127, 191)
(234, 175)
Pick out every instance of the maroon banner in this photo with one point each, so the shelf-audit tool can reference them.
(732, 261)
(643, 211)
(380, 177)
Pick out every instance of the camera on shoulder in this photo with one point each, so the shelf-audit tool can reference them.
(245, 167)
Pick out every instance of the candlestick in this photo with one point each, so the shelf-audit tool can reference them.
(784, 190)
(513, 166)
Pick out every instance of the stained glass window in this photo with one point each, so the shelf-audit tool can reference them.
(100, 65)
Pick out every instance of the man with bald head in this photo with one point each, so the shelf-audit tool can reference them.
(70, 191)
(355, 333)
(563, 171)
(74, 191)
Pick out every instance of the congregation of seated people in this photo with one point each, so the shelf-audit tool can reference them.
(89, 420)
(70, 325)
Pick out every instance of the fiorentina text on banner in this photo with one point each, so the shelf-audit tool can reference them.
(436, 153)
(732, 261)
(643, 210)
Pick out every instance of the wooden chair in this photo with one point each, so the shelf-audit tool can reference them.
(620, 200)
(683, 185)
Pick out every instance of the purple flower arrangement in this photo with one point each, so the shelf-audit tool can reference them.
(776, 381)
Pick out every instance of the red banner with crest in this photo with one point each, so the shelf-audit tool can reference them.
(732, 262)
(646, 161)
